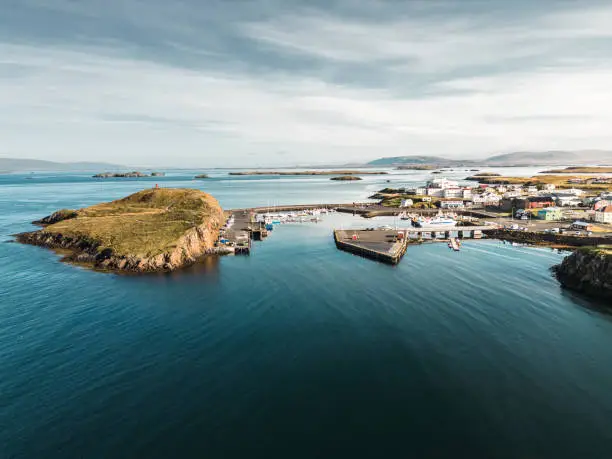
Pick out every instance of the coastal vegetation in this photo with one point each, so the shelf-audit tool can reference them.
(155, 229)
(580, 170)
(346, 178)
(417, 167)
(291, 173)
(483, 175)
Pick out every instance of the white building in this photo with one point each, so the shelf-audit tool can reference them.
(406, 203)
(452, 205)
(604, 215)
(437, 192)
(571, 192)
(453, 192)
(486, 199)
(442, 183)
(467, 193)
(565, 201)
(531, 189)
(549, 187)
(512, 194)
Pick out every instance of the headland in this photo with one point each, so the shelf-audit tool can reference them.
(153, 230)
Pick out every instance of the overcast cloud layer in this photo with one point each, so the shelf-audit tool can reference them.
(263, 82)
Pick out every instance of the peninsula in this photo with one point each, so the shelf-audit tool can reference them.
(339, 172)
(580, 170)
(159, 229)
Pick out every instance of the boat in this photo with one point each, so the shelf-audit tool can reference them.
(455, 244)
(437, 221)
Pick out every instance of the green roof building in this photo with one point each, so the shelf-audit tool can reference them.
(550, 214)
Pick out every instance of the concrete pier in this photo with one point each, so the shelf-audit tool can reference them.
(381, 245)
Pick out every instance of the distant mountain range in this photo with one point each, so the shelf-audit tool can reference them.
(545, 158)
(14, 164)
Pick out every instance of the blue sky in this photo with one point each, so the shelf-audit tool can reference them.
(270, 82)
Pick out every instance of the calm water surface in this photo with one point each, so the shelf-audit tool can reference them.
(297, 351)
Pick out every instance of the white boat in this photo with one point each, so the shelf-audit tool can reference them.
(437, 221)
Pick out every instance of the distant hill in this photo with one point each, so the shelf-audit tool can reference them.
(27, 165)
(400, 160)
(524, 158)
(552, 158)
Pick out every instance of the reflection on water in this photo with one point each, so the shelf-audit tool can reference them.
(205, 270)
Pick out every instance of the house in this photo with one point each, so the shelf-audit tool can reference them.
(453, 192)
(437, 192)
(531, 189)
(452, 204)
(565, 200)
(512, 194)
(407, 203)
(550, 214)
(442, 183)
(486, 199)
(604, 215)
(533, 202)
(581, 226)
(549, 187)
(598, 205)
(467, 193)
(572, 192)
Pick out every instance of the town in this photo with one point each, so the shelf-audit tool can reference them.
(588, 209)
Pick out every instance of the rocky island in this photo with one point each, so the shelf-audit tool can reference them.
(201, 176)
(133, 174)
(289, 173)
(346, 178)
(159, 229)
(589, 271)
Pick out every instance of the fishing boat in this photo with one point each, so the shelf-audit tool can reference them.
(437, 221)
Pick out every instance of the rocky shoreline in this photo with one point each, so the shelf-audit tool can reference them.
(150, 231)
(83, 250)
(587, 271)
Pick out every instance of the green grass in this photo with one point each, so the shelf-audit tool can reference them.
(144, 224)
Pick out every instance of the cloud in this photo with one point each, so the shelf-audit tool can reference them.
(317, 85)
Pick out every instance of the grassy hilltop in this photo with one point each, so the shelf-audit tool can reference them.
(152, 227)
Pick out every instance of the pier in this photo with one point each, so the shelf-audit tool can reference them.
(382, 245)
(389, 245)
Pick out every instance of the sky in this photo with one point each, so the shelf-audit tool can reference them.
(241, 83)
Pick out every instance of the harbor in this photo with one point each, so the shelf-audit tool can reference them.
(388, 243)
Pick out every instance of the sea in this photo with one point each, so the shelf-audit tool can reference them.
(298, 350)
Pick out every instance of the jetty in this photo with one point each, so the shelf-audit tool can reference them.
(387, 246)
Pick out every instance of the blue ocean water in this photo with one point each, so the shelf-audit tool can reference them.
(299, 350)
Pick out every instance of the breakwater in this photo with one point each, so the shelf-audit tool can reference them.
(539, 238)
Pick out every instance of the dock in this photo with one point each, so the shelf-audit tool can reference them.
(239, 235)
(382, 245)
(389, 245)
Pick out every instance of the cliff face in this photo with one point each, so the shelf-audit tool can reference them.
(587, 271)
(153, 230)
